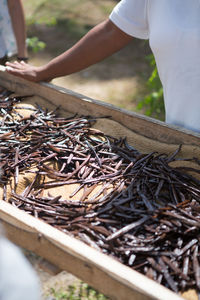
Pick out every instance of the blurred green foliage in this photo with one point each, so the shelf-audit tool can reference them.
(78, 292)
(153, 104)
(34, 44)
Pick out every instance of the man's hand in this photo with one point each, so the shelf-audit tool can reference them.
(23, 70)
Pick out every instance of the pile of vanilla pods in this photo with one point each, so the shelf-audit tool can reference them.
(145, 214)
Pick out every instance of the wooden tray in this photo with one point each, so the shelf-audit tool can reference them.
(97, 269)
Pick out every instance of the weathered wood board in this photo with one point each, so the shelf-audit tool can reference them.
(100, 271)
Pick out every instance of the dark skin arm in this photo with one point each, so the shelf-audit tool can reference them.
(16, 12)
(100, 42)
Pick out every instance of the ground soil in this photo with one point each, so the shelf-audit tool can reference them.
(52, 280)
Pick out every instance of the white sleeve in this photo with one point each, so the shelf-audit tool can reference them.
(131, 17)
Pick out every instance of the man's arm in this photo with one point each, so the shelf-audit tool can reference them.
(16, 12)
(100, 42)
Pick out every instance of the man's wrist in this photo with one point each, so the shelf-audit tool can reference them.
(22, 58)
(42, 74)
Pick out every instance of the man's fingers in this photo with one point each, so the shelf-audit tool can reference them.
(14, 65)
(11, 70)
(22, 69)
(14, 70)
(23, 63)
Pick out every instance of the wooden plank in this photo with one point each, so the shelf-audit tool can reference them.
(100, 271)
(71, 102)
(97, 269)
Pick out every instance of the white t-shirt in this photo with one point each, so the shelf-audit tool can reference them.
(173, 30)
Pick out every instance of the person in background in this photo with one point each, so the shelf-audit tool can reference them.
(173, 30)
(12, 31)
(18, 280)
